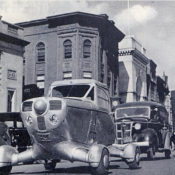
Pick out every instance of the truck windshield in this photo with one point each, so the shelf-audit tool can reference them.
(132, 112)
(70, 91)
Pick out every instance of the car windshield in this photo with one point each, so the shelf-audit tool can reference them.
(70, 91)
(132, 111)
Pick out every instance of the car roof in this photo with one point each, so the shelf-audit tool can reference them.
(141, 103)
(78, 81)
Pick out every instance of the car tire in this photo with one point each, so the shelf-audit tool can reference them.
(103, 164)
(151, 153)
(50, 165)
(135, 163)
(5, 170)
(167, 154)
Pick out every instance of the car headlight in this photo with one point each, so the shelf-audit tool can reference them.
(54, 119)
(29, 120)
(137, 126)
(40, 106)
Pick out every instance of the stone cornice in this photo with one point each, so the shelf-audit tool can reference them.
(134, 52)
(13, 40)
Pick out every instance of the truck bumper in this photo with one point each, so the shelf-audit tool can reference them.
(122, 146)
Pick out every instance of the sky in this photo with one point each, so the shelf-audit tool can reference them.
(152, 23)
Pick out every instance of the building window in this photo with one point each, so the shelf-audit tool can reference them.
(12, 30)
(11, 74)
(67, 75)
(87, 75)
(10, 100)
(40, 81)
(87, 49)
(40, 52)
(67, 49)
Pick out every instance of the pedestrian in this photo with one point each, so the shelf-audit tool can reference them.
(172, 141)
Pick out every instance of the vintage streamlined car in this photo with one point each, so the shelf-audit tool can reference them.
(74, 123)
(144, 124)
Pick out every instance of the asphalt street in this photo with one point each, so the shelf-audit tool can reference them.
(158, 166)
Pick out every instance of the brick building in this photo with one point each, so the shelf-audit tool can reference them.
(11, 66)
(72, 46)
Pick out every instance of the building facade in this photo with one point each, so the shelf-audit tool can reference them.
(172, 94)
(132, 70)
(151, 81)
(11, 66)
(72, 46)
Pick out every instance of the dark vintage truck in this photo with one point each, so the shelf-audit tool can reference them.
(144, 124)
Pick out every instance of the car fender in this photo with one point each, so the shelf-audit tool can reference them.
(149, 135)
(94, 154)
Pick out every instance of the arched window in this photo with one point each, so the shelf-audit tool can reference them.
(67, 49)
(87, 49)
(40, 52)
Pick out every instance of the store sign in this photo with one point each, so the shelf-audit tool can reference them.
(11, 74)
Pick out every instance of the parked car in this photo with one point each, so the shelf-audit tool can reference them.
(4, 135)
(13, 132)
(146, 125)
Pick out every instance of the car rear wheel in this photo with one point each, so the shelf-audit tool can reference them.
(167, 154)
(103, 164)
(5, 170)
(151, 153)
(50, 165)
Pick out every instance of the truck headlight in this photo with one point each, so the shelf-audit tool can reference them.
(54, 119)
(137, 126)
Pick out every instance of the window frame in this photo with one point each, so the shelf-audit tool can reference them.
(41, 52)
(67, 49)
(87, 49)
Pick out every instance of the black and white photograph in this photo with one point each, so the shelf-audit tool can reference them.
(87, 87)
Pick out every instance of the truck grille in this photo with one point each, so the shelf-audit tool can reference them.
(124, 132)
(27, 106)
(41, 123)
(55, 104)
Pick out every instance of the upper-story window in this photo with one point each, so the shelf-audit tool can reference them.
(87, 49)
(40, 52)
(67, 49)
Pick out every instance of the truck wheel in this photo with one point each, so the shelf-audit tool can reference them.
(151, 153)
(135, 163)
(167, 154)
(50, 165)
(5, 170)
(103, 164)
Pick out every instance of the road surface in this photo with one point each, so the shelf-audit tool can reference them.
(158, 166)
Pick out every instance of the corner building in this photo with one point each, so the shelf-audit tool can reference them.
(72, 46)
(11, 66)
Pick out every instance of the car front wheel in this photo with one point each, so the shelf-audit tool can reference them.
(5, 170)
(103, 164)
(167, 154)
(135, 163)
